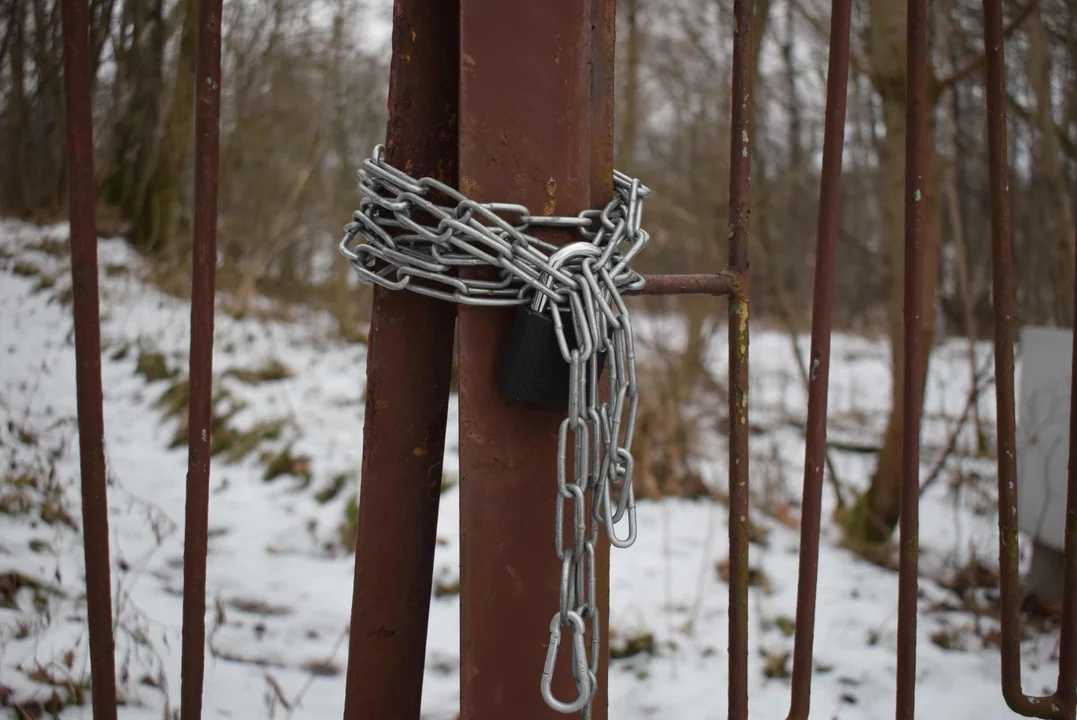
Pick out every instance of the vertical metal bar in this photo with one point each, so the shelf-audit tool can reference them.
(739, 208)
(916, 150)
(409, 364)
(525, 136)
(603, 42)
(819, 365)
(81, 195)
(1061, 705)
(207, 160)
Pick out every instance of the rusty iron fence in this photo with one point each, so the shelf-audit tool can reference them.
(447, 91)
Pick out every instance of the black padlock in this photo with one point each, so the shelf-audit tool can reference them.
(533, 370)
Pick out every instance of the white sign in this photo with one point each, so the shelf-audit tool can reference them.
(1043, 421)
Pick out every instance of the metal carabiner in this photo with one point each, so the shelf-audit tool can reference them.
(585, 687)
(624, 503)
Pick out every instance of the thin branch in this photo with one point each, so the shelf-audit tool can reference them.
(1025, 115)
(977, 62)
(981, 382)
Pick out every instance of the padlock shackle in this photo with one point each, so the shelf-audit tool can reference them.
(559, 258)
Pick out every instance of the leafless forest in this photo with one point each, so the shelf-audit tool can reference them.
(304, 100)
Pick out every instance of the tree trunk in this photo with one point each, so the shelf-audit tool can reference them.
(873, 519)
(1058, 253)
(156, 215)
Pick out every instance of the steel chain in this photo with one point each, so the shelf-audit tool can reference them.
(413, 233)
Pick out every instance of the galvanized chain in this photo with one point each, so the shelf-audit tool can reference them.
(413, 233)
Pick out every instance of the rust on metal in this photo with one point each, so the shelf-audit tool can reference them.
(916, 157)
(409, 364)
(603, 38)
(739, 206)
(1061, 705)
(530, 90)
(81, 195)
(819, 359)
(700, 284)
(206, 177)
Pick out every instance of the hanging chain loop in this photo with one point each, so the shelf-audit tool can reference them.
(413, 234)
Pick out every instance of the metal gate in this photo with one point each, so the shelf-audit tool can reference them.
(457, 75)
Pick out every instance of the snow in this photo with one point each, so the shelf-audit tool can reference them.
(280, 588)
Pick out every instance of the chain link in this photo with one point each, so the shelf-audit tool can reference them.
(413, 234)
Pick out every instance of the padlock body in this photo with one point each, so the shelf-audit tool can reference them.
(532, 367)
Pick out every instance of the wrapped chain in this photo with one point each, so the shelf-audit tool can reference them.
(412, 234)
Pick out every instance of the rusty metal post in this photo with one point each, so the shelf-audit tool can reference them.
(81, 196)
(916, 150)
(819, 362)
(1061, 705)
(409, 363)
(1066, 692)
(207, 160)
(739, 206)
(603, 41)
(525, 137)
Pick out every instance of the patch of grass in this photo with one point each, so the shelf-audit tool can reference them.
(173, 401)
(285, 463)
(241, 444)
(44, 282)
(783, 624)
(448, 482)
(336, 485)
(776, 665)
(65, 296)
(12, 582)
(756, 577)
(154, 366)
(235, 445)
(55, 248)
(28, 493)
(115, 269)
(257, 607)
(642, 644)
(67, 690)
(222, 435)
(25, 269)
(271, 371)
(447, 588)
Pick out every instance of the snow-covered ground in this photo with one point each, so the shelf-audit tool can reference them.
(280, 587)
